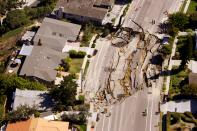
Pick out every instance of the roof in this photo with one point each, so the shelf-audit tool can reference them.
(82, 8)
(38, 124)
(193, 78)
(26, 50)
(19, 126)
(40, 99)
(28, 35)
(55, 33)
(104, 2)
(42, 63)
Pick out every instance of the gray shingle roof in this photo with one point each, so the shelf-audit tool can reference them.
(42, 63)
(40, 99)
(82, 8)
(55, 33)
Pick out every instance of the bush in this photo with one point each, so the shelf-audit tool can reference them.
(65, 65)
(105, 32)
(93, 45)
(22, 113)
(75, 54)
(166, 49)
(12, 82)
(176, 117)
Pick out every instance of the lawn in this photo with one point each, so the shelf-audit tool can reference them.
(75, 65)
(192, 7)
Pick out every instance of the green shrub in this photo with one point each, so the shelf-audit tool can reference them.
(75, 54)
(189, 114)
(175, 118)
(93, 45)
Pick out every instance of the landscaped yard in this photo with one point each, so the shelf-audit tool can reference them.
(192, 7)
(177, 80)
(75, 65)
(181, 121)
(182, 43)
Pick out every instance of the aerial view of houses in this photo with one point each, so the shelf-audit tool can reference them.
(98, 65)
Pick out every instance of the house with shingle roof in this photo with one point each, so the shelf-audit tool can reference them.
(55, 34)
(83, 10)
(47, 51)
(40, 65)
(32, 98)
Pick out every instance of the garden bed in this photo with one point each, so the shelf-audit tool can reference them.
(181, 121)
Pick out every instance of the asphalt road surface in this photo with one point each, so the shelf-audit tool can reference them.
(128, 115)
(144, 12)
(96, 76)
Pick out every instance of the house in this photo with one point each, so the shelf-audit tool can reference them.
(38, 124)
(193, 78)
(40, 99)
(83, 10)
(55, 34)
(41, 64)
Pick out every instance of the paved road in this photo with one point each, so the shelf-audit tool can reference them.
(96, 75)
(144, 11)
(127, 115)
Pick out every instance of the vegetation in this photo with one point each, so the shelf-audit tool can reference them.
(75, 65)
(186, 51)
(193, 20)
(181, 121)
(178, 20)
(190, 90)
(22, 113)
(192, 7)
(75, 54)
(64, 94)
(179, 78)
(11, 82)
(16, 18)
(75, 118)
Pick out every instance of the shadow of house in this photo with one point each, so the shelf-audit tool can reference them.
(194, 105)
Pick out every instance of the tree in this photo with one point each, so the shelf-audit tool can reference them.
(178, 20)
(16, 18)
(166, 49)
(75, 118)
(64, 94)
(23, 112)
(186, 52)
(2, 7)
(190, 90)
(193, 20)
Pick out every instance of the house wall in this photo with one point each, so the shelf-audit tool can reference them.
(81, 18)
